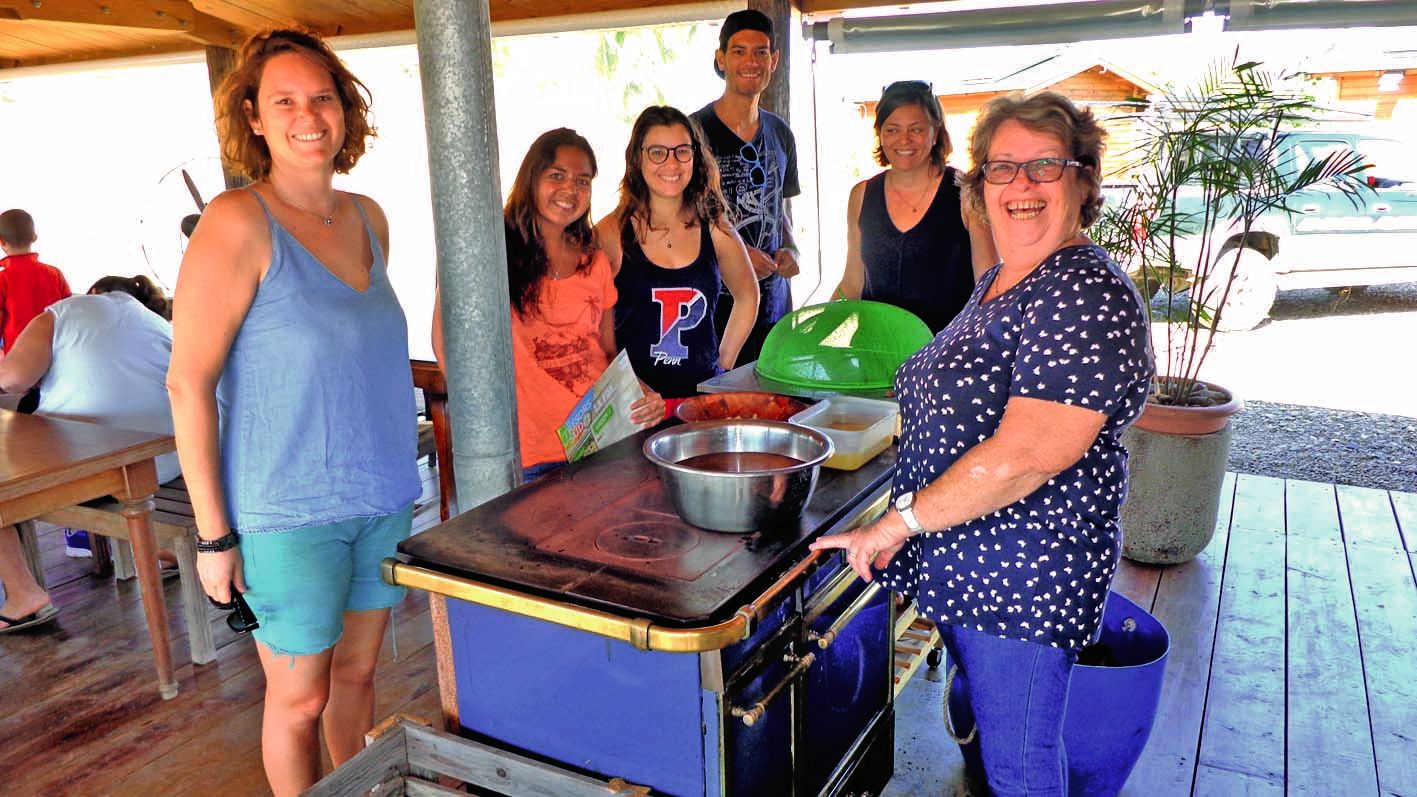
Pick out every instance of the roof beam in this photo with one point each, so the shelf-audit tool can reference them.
(173, 15)
(158, 15)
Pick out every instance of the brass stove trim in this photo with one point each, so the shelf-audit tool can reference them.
(638, 631)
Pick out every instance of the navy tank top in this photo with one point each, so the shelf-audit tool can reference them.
(664, 318)
(318, 423)
(927, 269)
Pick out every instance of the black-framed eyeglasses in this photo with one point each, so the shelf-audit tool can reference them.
(757, 177)
(658, 153)
(241, 620)
(1039, 170)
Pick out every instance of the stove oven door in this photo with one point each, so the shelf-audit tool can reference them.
(757, 719)
(846, 731)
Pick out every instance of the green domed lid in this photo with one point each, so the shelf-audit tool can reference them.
(846, 345)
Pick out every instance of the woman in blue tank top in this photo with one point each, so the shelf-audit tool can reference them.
(292, 398)
(668, 242)
(908, 241)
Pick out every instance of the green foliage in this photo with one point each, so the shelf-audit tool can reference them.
(1211, 164)
(626, 60)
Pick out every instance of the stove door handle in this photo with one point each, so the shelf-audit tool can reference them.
(755, 712)
(825, 638)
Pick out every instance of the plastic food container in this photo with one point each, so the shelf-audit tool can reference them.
(860, 428)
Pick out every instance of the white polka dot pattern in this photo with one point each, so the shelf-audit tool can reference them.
(1074, 332)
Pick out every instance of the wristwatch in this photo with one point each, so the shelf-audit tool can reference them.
(225, 543)
(905, 505)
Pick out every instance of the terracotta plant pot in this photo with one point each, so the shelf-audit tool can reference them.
(1178, 419)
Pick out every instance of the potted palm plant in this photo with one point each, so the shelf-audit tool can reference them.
(1214, 170)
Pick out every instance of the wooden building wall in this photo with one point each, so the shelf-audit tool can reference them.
(1362, 87)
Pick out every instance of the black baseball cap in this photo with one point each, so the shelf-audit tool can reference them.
(747, 19)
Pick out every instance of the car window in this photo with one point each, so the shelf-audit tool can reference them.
(1308, 150)
(1391, 161)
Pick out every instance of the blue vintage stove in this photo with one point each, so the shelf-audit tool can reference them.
(584, 624)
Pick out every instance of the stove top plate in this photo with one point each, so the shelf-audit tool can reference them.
(601, 533)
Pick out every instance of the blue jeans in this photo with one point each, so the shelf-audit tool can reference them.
(1018, 692)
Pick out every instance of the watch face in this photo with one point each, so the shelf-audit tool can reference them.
(904, 500)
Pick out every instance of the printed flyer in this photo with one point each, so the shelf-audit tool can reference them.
(602, 416)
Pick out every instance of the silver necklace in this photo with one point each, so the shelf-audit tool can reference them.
(327, 219)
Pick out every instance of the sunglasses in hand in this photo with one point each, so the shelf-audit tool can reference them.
(241, 620)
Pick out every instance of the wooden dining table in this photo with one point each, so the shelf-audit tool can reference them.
(48, 464)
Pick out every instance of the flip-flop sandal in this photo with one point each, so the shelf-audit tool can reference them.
(30, 620)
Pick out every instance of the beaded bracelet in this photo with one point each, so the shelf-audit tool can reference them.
(219, 544)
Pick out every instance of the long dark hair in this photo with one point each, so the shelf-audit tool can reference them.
(702, 194)
(139, 287)
(527, 264)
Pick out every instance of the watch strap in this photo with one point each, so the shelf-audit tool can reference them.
(907, 514)
(226, 543)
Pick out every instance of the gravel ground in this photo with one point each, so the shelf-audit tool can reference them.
(1274, 437)
(1322, 445)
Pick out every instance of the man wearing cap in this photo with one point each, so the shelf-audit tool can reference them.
(757, 163)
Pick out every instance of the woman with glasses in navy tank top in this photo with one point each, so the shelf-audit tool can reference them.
(292, 398)
(668, 242)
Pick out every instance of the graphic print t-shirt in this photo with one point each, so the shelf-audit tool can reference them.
(664, 318)
(557, 355)
(756, 176)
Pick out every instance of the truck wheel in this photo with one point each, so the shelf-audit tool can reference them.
(1251, 295)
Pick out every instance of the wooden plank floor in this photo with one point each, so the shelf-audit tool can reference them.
(1293, 668)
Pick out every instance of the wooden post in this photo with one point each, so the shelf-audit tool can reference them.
(778, 95)
(220, 62)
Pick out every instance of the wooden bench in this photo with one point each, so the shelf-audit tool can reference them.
(176, 530)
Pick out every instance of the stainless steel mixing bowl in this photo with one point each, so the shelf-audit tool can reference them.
(746, 501)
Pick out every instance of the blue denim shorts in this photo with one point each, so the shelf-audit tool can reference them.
(300, 582)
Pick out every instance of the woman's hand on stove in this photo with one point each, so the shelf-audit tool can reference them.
(869, 546)
(647, 410)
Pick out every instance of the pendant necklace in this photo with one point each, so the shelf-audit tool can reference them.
(329, 219)
(664, 231)
(919, 200)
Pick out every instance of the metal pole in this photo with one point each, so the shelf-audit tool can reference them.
(455, 62)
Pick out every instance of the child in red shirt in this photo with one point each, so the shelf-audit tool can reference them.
(27, 286)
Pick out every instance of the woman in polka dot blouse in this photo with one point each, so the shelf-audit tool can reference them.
(1011, 475)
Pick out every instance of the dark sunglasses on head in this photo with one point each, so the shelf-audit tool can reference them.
(909, 87)
(242, 619)
(1041, 170)
(658, 153)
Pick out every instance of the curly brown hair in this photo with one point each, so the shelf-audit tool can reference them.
(1050, 113)
(246, 153)
(702, 195)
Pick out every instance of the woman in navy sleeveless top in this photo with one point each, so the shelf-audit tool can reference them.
(669, 243)
(909, 243)
(292, 398)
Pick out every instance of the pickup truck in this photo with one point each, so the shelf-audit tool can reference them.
(1327, 239)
